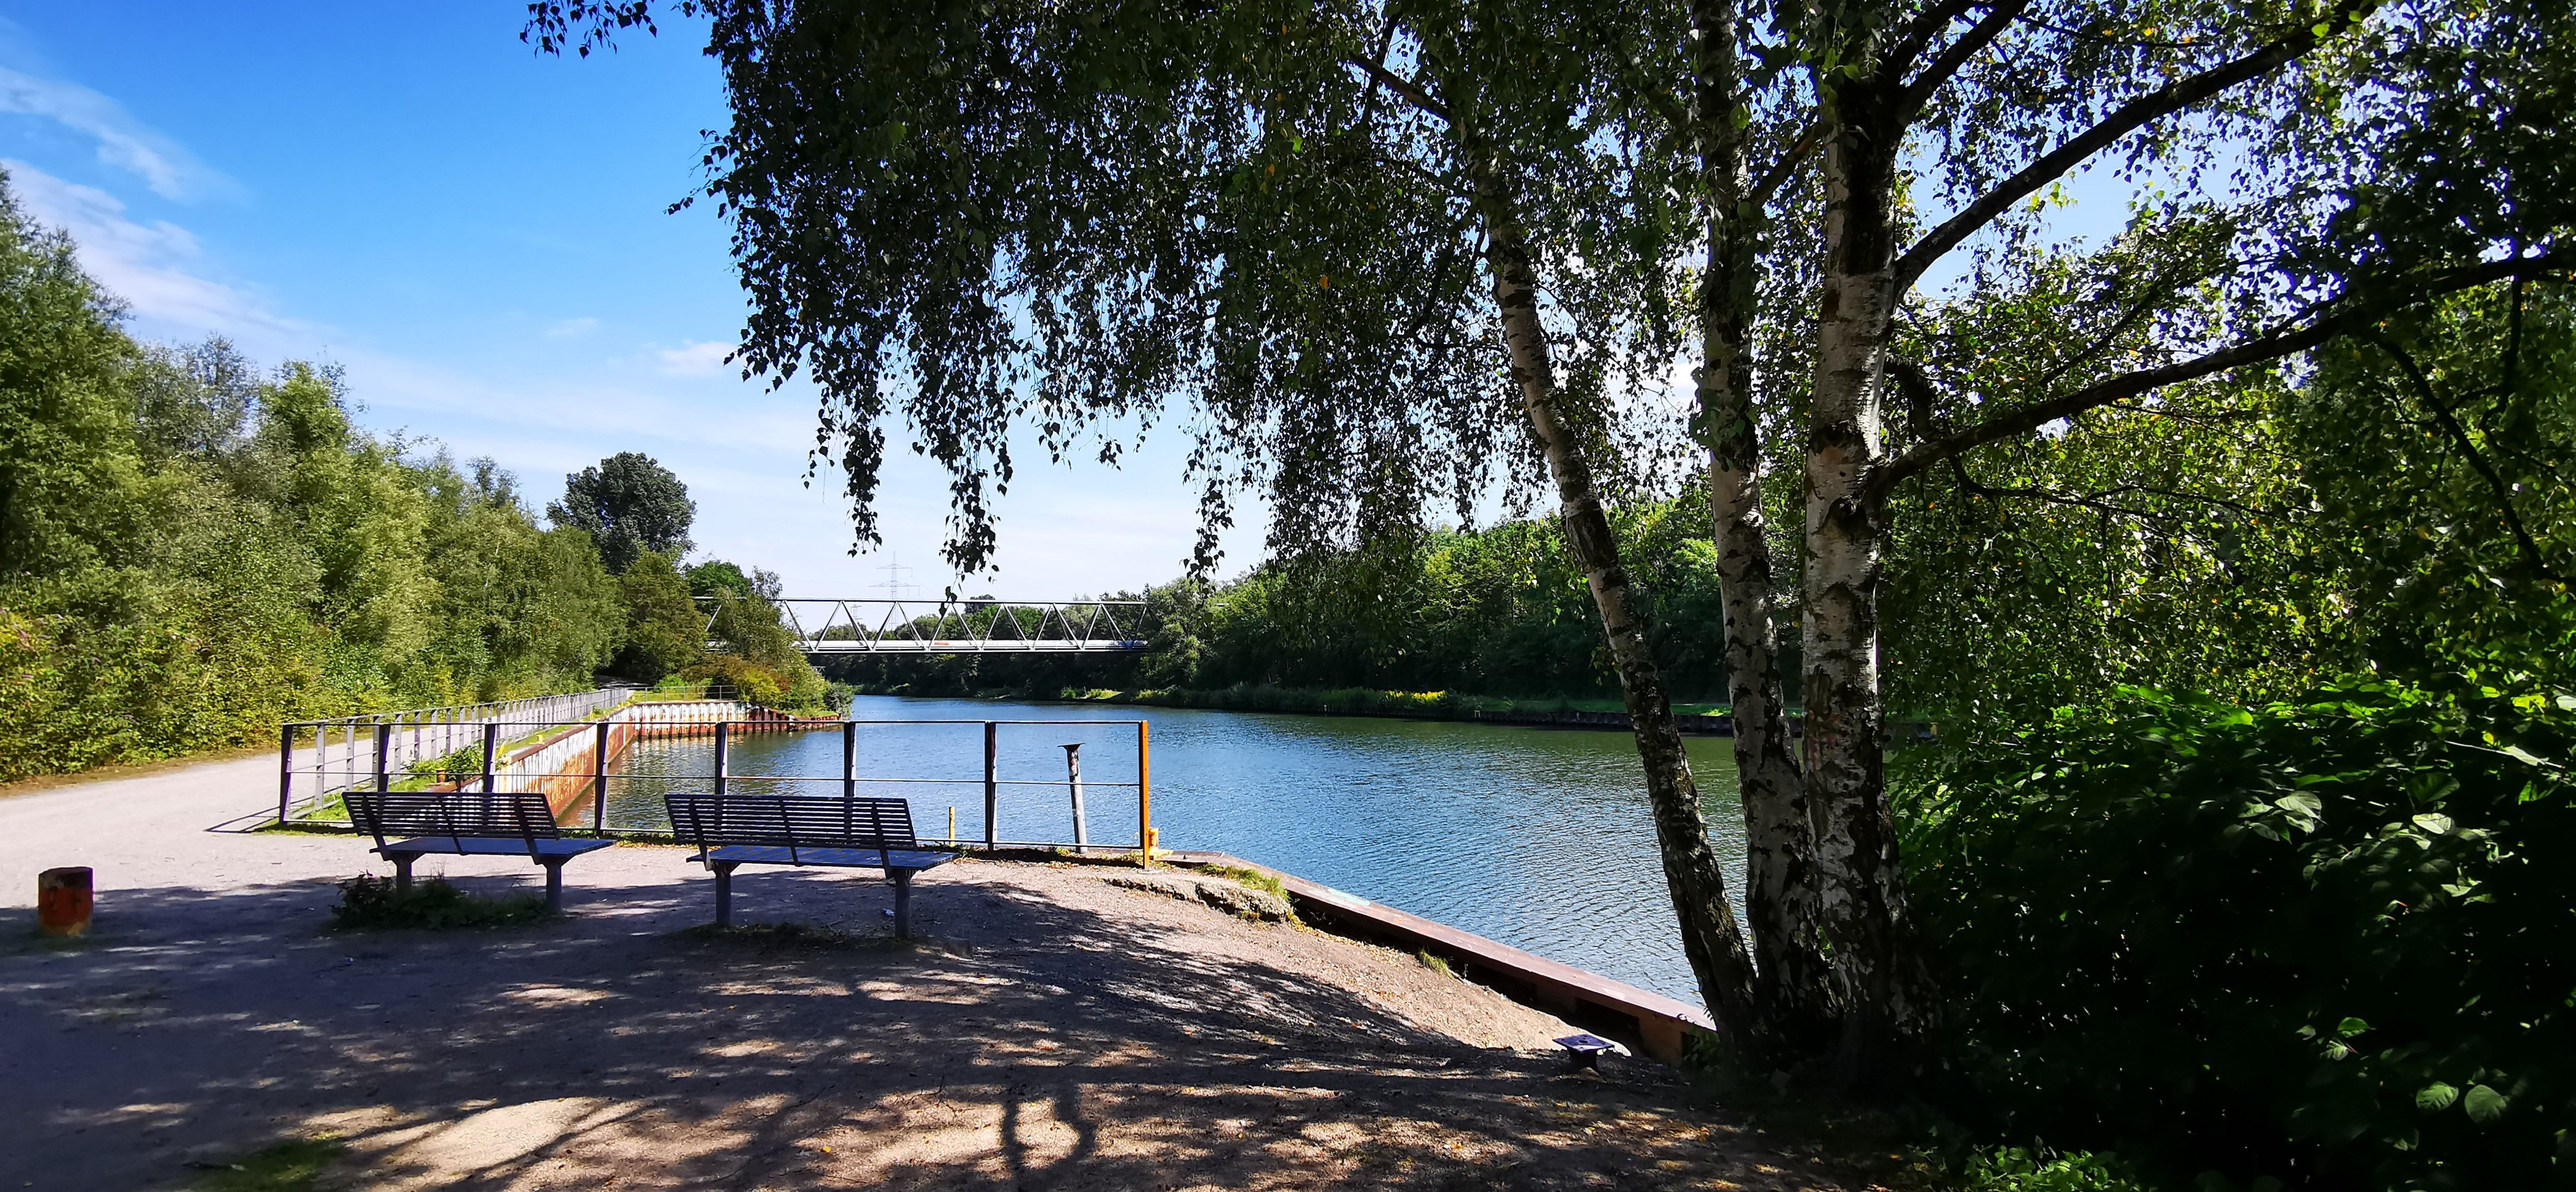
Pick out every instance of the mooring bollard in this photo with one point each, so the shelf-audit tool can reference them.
(63, 901)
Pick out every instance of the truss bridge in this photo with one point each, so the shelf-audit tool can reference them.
(825, 628)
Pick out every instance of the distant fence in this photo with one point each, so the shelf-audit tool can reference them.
(318, 759)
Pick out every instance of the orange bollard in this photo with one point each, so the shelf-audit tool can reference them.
(63, 901)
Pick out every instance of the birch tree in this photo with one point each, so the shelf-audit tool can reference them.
(2307, 99)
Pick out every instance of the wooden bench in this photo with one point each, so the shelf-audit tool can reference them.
(732, 830)
(470, 824)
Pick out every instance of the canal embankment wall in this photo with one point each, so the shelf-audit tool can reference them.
(1650, 1022)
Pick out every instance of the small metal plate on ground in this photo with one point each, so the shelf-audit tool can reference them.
(1585, 1051)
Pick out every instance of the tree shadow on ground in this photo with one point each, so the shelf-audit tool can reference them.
(1031, 1045)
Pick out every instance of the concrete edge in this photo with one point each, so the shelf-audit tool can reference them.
(1657, 1025)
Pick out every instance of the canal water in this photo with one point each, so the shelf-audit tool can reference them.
(1539, 838)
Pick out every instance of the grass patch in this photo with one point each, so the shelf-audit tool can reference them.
(285, 1167)
(1436, 964)
(1267, 883)
(370, 902)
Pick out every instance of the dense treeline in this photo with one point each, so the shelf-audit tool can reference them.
(192, 551)
(1500, 611)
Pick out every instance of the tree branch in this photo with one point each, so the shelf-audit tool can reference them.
(1798, 152)
(1956, 55)
(1411, 91)
(1919, 34)
(2138, 113)
(2468, 447)
(2401, 292)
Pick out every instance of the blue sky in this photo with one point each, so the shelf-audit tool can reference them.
(478, 237)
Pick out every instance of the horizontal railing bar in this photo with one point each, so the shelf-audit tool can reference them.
(862, 779)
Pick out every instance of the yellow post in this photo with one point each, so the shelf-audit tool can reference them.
(1144, 794)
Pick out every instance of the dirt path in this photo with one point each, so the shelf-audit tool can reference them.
(1058, 1032)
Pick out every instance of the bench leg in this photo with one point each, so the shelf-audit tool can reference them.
(902, 902)
(554, 884)
(724, 894)
(402, 871)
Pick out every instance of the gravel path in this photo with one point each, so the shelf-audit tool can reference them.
(1054, 1031)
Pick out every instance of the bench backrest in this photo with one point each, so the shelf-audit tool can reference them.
(795, 822)
(458, 815)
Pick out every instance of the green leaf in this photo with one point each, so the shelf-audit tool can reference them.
(2434, 822)
(2484, 1104)
(2350, 1027)
(2436, 1096)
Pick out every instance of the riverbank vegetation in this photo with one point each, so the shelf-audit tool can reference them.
(193, 550)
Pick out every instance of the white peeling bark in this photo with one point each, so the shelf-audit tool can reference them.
(1780, 896)
(1883, 987)
(1710, 937)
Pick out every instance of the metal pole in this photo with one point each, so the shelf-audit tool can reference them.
(384, 744)
(1073, 777)
(285, 770)
(1144, 794)
(849, 759)
(723, 738)
(992, 791)
(599, 784)
(491, 746)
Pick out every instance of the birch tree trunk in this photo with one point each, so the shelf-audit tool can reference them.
(1710, 937)
(1880, 979)
(1780, 887)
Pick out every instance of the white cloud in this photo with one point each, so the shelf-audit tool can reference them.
(156, 268)
(572, 327)
(696, 359)
(123, 142)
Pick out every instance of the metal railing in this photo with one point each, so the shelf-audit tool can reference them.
(880, 626)
(573, 763)
(310, 758)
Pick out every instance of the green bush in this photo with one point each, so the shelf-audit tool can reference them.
(2015, 1169)
(368, 901)
(2321, 942)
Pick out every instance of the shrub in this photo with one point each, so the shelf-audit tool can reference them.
(368, 901)
(2321, 941)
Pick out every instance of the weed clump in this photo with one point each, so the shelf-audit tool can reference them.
(1267, 883)
(1437, 964)
(368, 901)
(284, 1167)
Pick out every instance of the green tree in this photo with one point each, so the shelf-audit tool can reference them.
(68, 463)
(665, 630)
(628, 504)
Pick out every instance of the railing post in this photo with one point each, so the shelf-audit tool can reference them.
(1144, 793)
(285, 769)
(992, 791)
(722, 740)
(491, 747)
(849, 759)
(384, 747)
(1073, 778)
(599, 789)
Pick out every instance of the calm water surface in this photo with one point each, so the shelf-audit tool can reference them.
(1539, 838)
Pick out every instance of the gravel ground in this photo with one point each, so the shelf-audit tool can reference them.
(1050, 1031)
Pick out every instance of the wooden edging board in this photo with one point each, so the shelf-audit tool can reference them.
(1654, 1024)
